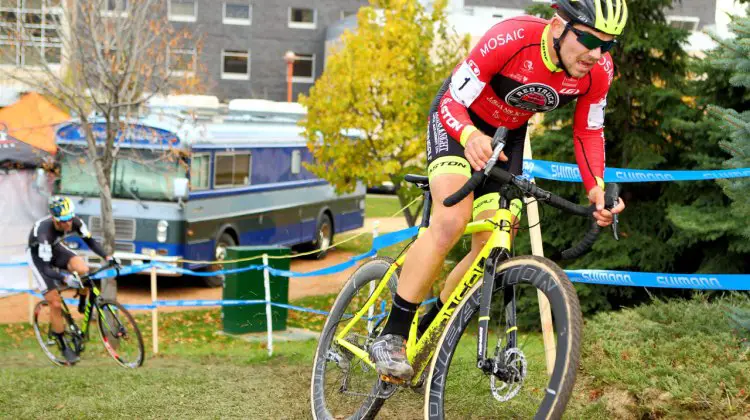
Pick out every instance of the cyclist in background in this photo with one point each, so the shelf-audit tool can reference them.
(521, 66)
(47, 255)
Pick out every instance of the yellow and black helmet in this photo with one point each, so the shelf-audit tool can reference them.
(608, 16)
(61, 208)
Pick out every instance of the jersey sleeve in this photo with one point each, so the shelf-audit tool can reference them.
(472, 75)
(85, 234)
(588, 124)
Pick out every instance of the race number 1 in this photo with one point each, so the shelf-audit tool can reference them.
(465, 85)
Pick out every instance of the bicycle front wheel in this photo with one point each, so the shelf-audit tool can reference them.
(343, 385)
(120, 335)
(457, 388)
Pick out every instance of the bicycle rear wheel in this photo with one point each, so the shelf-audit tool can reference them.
(120, 335)
(343, 386)
(43, 333)
(457, 388)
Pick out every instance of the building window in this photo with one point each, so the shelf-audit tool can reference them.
(688, 23)
(304, 68)
(235, 64)
(232, 169)
(29, 32)
(237, 14)
(182, 62)
(199, 167)
(183, 10)
(115, 7)
(302, 18)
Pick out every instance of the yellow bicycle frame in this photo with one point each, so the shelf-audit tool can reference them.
(420, 351)
(88, 310)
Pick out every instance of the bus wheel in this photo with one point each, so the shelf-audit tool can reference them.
(225, 241)
(323, 238)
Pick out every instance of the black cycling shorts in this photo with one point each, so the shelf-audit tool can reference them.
(61, 255)
(446, 155)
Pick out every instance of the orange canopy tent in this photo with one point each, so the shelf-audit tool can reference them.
(27, 130)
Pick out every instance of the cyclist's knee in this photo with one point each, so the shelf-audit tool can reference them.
(55, 304)
(78, 265)
(448, 229)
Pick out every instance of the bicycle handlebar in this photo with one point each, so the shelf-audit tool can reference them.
(611, 196)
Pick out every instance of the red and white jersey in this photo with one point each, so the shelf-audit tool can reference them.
(509, 76)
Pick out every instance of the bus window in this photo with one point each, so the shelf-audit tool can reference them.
(232, 169)
(199, 165)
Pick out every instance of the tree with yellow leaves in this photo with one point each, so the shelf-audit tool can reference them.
(367, 113)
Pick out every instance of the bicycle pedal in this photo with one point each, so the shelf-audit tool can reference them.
(392, 380)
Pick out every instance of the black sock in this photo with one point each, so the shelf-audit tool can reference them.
(400, 318)
(81, 304)
(430, 316)
(60, 340)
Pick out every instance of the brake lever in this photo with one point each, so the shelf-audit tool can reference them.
(498, 143)
(615, 227)
(612, 199)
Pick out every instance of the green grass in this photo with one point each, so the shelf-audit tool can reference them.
(384, 206)
(676, 359)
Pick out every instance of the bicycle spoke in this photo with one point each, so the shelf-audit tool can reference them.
(120, 335)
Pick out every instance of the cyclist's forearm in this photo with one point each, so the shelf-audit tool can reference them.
(49, 271)
(95, 247)
(589, 150)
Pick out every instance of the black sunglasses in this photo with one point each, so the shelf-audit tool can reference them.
(590, 40)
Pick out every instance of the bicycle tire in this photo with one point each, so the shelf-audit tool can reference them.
(40, 336)
(133, 331)
(373, 270)
(545, 276)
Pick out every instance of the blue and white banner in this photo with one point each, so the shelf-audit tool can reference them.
(569, 173)
(674, 281)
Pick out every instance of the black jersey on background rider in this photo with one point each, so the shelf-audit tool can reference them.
(48, 250)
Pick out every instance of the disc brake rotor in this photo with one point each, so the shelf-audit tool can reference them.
(515, 363)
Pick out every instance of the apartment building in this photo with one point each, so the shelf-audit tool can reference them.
(244, 41)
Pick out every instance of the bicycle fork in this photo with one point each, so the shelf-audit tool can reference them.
(495, 366)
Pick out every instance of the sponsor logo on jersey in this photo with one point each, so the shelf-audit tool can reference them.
(528, 66)
(474, 67)
(570, 82)
(608, 67)
(567, 91)
(501, 39)
(448, 118)
(519, 78)
(535, 97)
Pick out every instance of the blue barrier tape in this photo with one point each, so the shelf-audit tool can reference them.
(10, 265)
(569, 173)
(675, 281)
(208, 302)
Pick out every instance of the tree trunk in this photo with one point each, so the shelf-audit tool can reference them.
(109, 286)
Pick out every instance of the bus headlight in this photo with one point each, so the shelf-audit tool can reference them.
(161, 230)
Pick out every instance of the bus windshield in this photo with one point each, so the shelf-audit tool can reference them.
(136, 174)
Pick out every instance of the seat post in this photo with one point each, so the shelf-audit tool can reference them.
(426, 210)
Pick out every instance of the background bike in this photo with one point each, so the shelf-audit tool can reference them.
(118, 331)
(461, 377)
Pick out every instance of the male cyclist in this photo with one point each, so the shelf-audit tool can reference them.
(47, 255)
(521, 66)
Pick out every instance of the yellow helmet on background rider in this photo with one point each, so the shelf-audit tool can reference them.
(61, 208)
